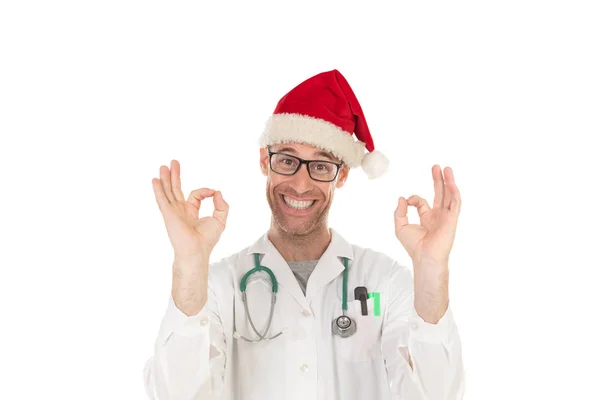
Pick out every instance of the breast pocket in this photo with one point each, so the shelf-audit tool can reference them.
(365, 344)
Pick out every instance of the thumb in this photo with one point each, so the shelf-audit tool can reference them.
(400, 217)
(221, 208)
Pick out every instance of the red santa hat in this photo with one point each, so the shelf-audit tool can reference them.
(323, 112)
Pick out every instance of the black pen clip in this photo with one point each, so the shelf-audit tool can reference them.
(360, 293)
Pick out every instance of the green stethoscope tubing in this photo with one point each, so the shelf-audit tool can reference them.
(274, 288)
(256, 269)
(345, 287)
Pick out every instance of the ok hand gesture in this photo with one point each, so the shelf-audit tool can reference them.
(191, 237)
(431, 240)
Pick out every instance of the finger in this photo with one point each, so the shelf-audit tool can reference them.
(438, 186)
(159, 194)
(196, 196)
(420, 203)
(176, 180)
(165, 180)
(400, 216)
(221, 208)
(451, 192)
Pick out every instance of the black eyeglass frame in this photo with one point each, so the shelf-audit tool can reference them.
(307, 162)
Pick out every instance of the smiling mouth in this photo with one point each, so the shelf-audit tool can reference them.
(298, 205)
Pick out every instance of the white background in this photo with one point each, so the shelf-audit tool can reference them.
(96, 96)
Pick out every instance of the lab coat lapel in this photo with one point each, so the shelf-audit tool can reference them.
(330, 265)
(283, 273)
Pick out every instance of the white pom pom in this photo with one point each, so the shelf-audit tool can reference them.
(375, 164)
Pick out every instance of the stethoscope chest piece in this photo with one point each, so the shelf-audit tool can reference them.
(343, 326)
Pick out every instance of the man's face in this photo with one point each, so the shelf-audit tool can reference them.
(287, 195)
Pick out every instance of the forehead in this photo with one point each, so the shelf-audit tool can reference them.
(306, 150)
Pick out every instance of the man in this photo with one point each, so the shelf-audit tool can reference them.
(301, 313)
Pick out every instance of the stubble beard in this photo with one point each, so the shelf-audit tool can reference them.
(296, 229)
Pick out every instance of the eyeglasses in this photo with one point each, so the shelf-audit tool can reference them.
(319, 170)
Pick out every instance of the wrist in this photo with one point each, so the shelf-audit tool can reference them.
(431, 291)
(431, 311)
(190, 284)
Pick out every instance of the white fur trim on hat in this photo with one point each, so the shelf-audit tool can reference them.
(285, 128)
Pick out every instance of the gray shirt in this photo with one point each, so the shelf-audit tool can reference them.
(301, 270)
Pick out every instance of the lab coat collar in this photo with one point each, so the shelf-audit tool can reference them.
(330, 266)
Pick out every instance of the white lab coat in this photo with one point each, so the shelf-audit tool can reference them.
(198, 357)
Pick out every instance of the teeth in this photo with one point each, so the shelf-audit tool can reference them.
(299, 205)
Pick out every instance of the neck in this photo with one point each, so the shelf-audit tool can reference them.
(300, 247)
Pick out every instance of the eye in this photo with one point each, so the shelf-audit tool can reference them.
(322, 169)
(283, 161)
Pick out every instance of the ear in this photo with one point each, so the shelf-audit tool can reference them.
(342, 176)
(264, 161)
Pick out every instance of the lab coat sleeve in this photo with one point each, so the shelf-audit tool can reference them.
(189, 355)
(437, 371)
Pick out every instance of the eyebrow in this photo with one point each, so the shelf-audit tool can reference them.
(318, 153)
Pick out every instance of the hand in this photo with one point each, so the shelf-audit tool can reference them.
(191, 237)
(432, 240)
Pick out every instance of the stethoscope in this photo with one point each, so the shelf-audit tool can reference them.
(342, 326)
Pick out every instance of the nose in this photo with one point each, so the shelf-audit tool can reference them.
(301, 180)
